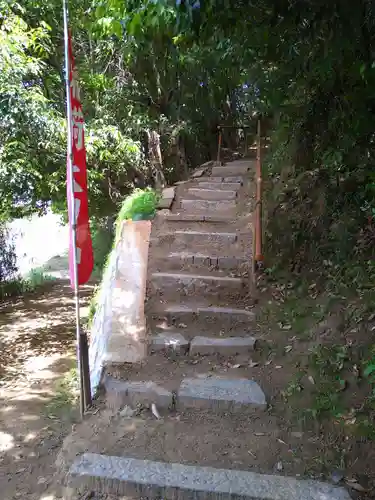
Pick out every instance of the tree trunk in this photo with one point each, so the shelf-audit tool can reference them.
(156, 160)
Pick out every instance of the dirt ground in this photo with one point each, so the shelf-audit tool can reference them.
(37, 340)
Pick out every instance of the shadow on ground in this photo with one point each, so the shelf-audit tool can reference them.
(37, 387)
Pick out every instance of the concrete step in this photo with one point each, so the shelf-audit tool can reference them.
(212, 194)
(172, 343)
(184, 217)
(169, 342)
(237, 179)
(220, 394)
(195, 259)
(208, 206)
(204, 320)
(226, 346)
(187, 283)
(225, 186)
(224, 315)
(215, 393)
(206, 236)
(139, 479)
(132, 392)
(230, 170)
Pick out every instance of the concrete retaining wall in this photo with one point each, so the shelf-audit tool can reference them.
(118, 334)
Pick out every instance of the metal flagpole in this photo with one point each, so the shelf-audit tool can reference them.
(72, 221)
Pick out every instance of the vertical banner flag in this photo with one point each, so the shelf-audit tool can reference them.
(80, 214)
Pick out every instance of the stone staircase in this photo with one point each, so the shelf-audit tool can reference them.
(210, 435)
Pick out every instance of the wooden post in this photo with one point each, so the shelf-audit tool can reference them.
(219, 145)
(258, 255)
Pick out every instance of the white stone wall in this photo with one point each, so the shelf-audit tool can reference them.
(118, 333)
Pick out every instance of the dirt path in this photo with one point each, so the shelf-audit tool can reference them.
(37, 360)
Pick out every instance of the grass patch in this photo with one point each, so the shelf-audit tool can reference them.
(35, 279)
(66, 394)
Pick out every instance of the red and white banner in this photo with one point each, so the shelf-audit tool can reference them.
(85, 258)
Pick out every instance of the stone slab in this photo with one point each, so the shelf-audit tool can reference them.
(206, 260)
(229, 170)
(233, 178)
(225, 186)
(216, 180)
(199, 172)
(174, 342)
(184, 217)
(212, 194)
(228, 346)
(230, 262)
(205, 205)
(226, 285)
(167, 197)
(212, 314)
(218, 218)
(227, 312)
(127, 392)
(135, 478)
(220, 394)
(203, 236)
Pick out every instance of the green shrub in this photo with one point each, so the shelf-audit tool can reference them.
(140, 202)
(102, 240)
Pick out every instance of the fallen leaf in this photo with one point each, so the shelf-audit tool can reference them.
(155, 411)
(252, 364)
(285, 327)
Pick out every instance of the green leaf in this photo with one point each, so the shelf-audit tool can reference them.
(369, 370)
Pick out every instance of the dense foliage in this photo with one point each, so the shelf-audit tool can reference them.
(173, 70)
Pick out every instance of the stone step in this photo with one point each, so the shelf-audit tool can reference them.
(184, 217)
(221, 315)
(167, 197)
(188, 283)
(208, 206)
(137, 479)
(232, 170)
(128, 392)
(220, 394)
(227, 346)
(200, 259)
(215, 393)
(237, 179)
(171, 343)
(205, 236)
(225, 186)
(212, 194)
